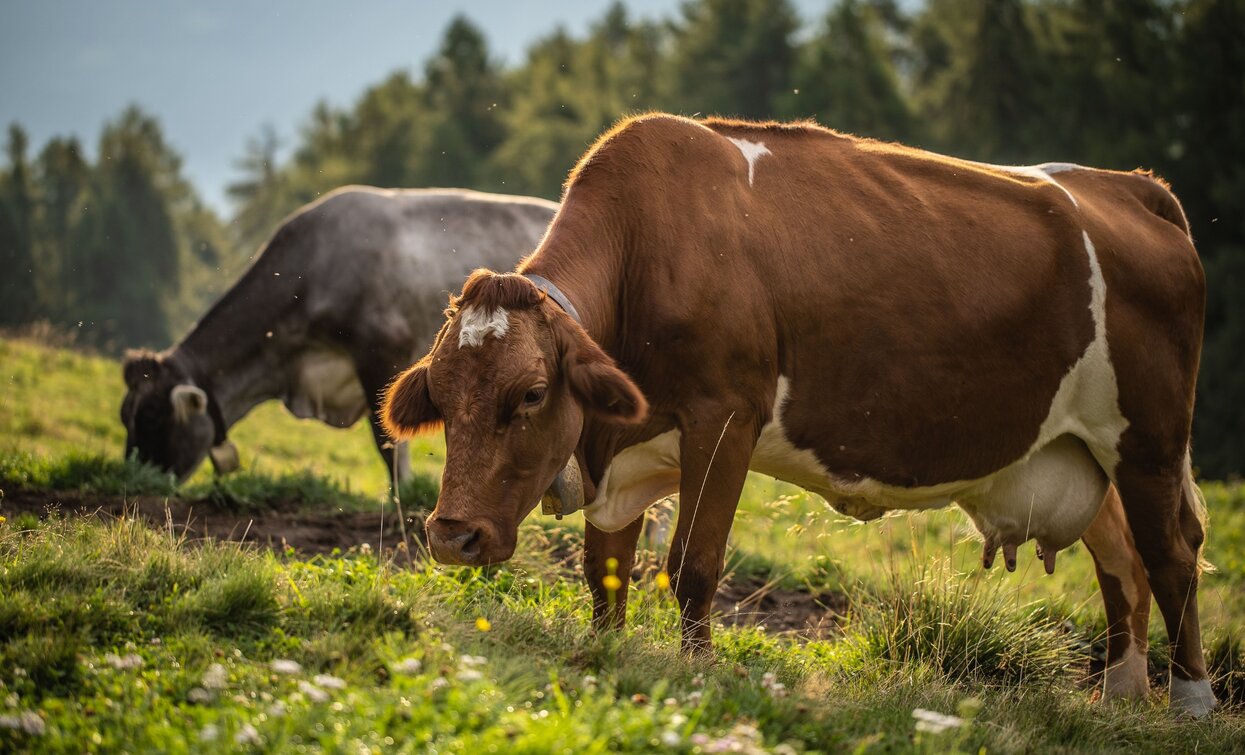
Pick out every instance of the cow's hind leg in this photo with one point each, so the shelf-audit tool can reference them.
(1168, 531)
(1126, 595)
(609, 600)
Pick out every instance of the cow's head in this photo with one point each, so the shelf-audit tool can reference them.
(511, 376)
(167, 417)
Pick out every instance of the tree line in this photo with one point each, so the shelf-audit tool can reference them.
(124, 245)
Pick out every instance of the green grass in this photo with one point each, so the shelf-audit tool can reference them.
(118, 636)
(928, 629)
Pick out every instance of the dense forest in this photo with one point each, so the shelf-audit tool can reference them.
(124, 251)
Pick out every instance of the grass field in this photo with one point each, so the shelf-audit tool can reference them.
(118, 636)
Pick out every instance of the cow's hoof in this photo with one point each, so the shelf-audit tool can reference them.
(1128, 678)
(1189, 698)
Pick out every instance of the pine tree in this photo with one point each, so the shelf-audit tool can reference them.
(463, 95)
(734, 57)
(845, 76)
(63, 178)
(19, 301)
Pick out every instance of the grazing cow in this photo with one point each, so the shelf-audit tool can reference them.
(889, 328)
(349, 290)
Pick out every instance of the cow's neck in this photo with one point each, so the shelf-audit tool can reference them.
(588, 278)
(237, 351)
(592, 277)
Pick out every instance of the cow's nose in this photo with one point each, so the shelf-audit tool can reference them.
(453, 541)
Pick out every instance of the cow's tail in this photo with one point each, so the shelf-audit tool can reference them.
(1191, 495)
(1156, 196)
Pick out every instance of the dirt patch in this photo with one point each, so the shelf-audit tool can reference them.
(309, 532)
(752, 600)
(744, 600)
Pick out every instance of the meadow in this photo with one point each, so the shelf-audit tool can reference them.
(117, 633)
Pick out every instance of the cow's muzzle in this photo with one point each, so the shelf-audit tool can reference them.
(462, 543)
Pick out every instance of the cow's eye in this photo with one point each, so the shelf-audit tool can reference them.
(534, 396)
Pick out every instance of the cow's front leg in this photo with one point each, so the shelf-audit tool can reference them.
(609, 601)
(715, 457)
(374, 374)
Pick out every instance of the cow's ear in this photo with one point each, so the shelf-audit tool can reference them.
(594, 378)
(407, 408)
(139, 366)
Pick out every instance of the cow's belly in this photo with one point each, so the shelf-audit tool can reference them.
(326, 387)
(1051, 495)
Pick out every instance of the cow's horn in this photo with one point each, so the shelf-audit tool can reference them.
(224, 457)
(566, 494)
(188, 401)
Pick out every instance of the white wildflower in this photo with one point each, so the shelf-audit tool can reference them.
(209, 733)
(199, 696)
(933, 722)
(283, 666)
(698, 680)
(313, 693)
(123, 662)
(671, 738)
(216, 677)
(473, 660)
(769, 682)
(408, 666)
(439, 683)
(693, 698)
(469, 675)
(329, 682)
(247, 735)
(27, 721)
(678, 719)
(277, 709)
(590, 681)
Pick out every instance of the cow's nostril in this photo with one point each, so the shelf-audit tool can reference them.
(469, 542)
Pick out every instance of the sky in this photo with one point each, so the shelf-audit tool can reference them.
(216, 72)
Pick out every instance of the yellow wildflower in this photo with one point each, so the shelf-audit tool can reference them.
(483, 624)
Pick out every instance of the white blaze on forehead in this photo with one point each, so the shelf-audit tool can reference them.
(752, 152)
(474, 324)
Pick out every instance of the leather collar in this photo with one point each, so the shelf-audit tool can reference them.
(555, 293)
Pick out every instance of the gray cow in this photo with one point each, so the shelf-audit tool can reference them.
(348, 292)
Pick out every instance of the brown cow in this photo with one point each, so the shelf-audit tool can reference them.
(889, 328)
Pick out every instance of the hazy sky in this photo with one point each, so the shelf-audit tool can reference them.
(215, 72)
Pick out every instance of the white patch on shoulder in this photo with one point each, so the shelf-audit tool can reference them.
(1193, 697)
(474, 324)
(752, 152)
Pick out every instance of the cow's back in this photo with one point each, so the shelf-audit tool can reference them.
(380, 264)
